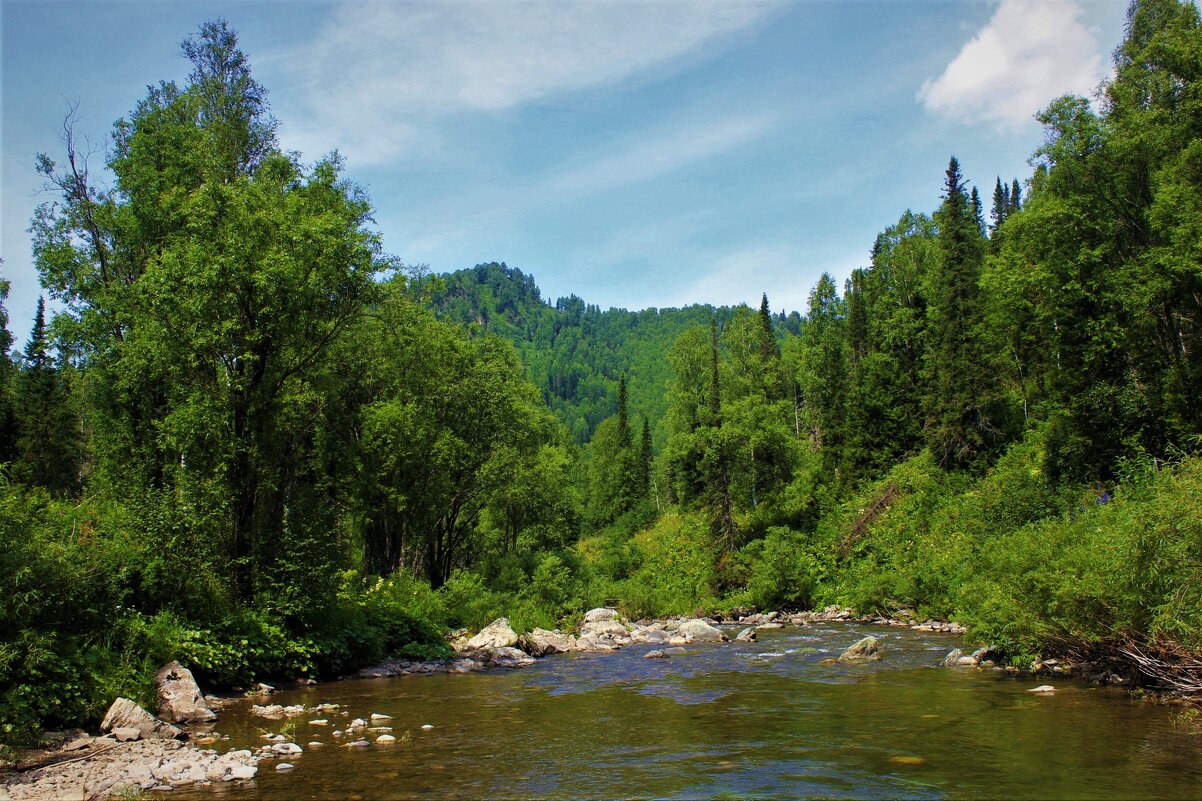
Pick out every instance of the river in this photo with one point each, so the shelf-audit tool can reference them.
(733, 720)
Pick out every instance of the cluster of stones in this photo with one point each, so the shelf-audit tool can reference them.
(604, 630)
(128, 767)
(375, 729)
(138, 752)
(904, 618)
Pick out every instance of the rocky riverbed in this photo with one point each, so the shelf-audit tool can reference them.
(98, 767)
(145, 753)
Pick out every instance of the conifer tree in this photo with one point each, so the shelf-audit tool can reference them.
(958, 428)
(768, 346)
(8, 424)
(1001, 204)
(715, 397)
(718, 463)
(624, 438)
(47, 427)
(645, 459)
(978, 211)
(1014, 200)
(857, 316)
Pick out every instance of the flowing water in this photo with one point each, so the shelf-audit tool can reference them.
(734, 720)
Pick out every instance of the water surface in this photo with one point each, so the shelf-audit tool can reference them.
(734, 720)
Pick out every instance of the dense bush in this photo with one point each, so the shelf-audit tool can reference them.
(1127, 568)
(784, 571)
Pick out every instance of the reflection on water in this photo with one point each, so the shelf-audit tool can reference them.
(734, 720)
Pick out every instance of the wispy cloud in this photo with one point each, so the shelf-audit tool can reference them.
(661, 153)
(648, 154)
(1029, 53)
(379, 74)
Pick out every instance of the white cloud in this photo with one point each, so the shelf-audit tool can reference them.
(1029, 53)
(378, 72)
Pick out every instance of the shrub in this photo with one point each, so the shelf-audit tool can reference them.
(784, 571)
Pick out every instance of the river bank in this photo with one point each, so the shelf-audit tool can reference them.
(99, 767)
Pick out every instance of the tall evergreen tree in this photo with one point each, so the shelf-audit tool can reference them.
(623, 414)
(959, 427)
(646, 459)
(8, 423)
(1001, 204)
(978, 211)
(857, 316)
(768, 345)
(715, 390)
(717, 459)
(47, 427)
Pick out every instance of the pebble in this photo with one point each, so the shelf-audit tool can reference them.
(427, 725)
(378, 716)
(285, 766)
(1043, 688)
(385, 739)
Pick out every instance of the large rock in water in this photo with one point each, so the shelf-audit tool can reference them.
(180, 700)
(699, 631)
(953, 658)
(605, 630)
(125, 714)
(601, 614)
(864, 650)
(541, 642)
(506, 657)
(497, 634)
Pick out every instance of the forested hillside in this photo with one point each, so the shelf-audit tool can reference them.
(251, 441)
(573, 351)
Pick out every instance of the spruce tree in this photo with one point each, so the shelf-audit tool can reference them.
(47, 427)
(8, 424)
(978, 211)
(645, 459)
(34, 356)
(1001, 204)
(715, 397)
(857, 315)
(768, 345)
(624, 438)
(717, 462)
(959, 382)
(1014, 201)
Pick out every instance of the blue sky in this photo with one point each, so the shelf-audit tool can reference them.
(635, 154)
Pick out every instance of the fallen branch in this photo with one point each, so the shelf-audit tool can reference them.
(1168, 665)
(56, 763)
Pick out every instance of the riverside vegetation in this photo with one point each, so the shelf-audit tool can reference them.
(252, 441)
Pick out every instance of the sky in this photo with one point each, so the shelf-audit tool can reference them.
(636, 154)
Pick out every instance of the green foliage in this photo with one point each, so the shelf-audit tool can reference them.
(675, 571)
(1128, 567)
(784, 571)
